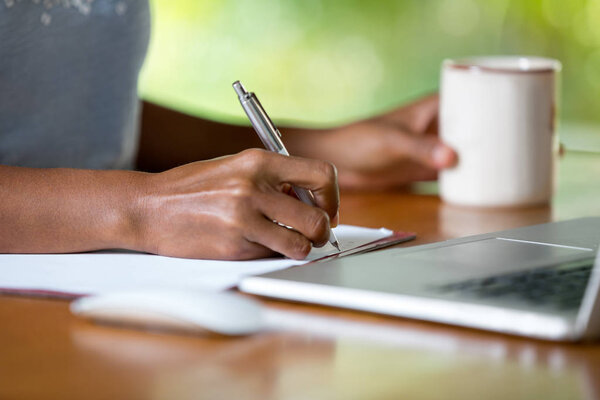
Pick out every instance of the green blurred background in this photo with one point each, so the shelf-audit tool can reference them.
(324, 62)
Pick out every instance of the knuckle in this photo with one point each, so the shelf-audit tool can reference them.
(238, 217)
(300, 247)
(221, 250)
(238, 253)
(254, 159)
(233, 249)
(326, 169)
(318, 224)
(329, 170)
(242, 190)
(425, 147)
(235, 216)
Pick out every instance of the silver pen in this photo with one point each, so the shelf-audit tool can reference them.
(271, 138)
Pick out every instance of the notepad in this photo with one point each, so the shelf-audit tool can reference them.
(73, 275)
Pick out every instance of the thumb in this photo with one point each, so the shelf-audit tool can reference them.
(427, 150)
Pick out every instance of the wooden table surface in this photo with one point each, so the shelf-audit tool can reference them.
(319, 353)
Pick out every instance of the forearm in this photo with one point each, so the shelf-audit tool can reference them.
(170, 138)
(67, 210)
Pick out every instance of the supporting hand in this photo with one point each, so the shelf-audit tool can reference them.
(380, 153)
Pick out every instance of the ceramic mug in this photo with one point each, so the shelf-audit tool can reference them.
(499, 114)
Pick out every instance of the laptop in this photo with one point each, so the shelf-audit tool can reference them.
(539, 281)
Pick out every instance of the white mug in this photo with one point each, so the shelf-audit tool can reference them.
(499, 114)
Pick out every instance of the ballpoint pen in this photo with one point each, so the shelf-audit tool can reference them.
(271, 138)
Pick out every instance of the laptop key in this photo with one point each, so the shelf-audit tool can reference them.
(561, 287)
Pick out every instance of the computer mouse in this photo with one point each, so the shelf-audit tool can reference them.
(182, 310)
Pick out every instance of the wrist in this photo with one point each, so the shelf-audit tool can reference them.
(131, 200)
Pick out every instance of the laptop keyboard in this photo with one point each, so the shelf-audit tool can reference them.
(560, 287)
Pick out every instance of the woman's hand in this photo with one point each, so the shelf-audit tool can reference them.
(225, 208)
(380, 153)
(222, 208)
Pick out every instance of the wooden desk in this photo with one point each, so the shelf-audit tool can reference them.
(45, 353)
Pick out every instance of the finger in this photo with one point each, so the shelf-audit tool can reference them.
(278, 238)
(318, 176)
(427, 150)
(311, 222)
(418, 116)
(406, 173)
(249, 251)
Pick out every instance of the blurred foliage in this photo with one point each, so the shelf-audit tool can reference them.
(322, 62)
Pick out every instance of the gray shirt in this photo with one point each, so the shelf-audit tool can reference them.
(68, 81)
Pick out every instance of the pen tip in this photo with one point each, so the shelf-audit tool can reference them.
(336, 244)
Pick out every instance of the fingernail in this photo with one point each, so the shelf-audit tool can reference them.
(443, 156)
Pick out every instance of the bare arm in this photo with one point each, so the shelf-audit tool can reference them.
(383, 152)
(66, 210)
(170, 138)
(220, 208)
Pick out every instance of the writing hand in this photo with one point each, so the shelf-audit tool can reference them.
(225, 208)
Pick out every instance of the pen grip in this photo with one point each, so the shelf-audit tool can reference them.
(305, 195)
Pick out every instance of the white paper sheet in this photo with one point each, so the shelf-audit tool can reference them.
(97, 272)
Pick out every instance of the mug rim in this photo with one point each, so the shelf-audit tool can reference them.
(522, 64)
